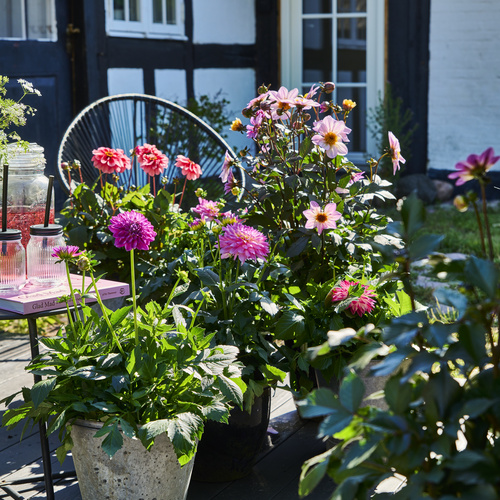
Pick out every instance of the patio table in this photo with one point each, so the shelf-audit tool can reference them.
(47, 476)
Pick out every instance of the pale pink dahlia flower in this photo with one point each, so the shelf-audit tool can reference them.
(360, 305)
(151, 159)
(475, 167)
(243, 242)
(322, 219)
(190, 169)
(331, 135)
(226, 167)
(282, 102)
(395, 152)
(110, 161)
(132, 230)
(207, 209)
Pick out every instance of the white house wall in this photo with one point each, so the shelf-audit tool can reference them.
(224, 21)
(464, 80)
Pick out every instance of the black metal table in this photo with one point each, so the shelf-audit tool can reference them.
(47, 476)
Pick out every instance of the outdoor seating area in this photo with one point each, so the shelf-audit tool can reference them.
(240, 324)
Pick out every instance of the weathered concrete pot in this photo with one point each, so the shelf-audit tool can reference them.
(132, 473)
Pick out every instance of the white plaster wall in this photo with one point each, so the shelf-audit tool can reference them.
(238, 86)
(464, 80)
(125, 80)
(171, 84)
(224, 21)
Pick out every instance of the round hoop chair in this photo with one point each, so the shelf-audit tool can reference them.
(127, 120)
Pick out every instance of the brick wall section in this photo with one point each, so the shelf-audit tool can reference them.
(464, 81)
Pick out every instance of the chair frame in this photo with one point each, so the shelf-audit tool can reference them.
(135, 97)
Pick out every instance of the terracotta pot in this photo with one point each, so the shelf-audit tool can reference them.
(229, 451)
(132, 473)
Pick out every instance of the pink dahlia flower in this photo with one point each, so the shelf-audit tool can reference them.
(282, 102)
(66, 253)
(207, 209)
(255, 124)
(359, 305)
(243, 242)
(226, 167)
(395, 152)
(322, 219)
(230, 184)
(132, 230)
(151, 159)
(110, 161)
(475, 167)
(331, 135)
(190, 169)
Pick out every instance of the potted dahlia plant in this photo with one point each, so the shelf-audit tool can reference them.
(126, 381)
(317, 209)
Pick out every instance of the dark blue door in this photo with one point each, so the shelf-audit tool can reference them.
(34, 46)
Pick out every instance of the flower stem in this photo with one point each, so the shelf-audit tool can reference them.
(183, 189)
(105, 314)
(480, 227)
(73, 298)
(486, 221)
(134, 298)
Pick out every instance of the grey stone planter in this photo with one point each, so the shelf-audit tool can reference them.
(132, 473)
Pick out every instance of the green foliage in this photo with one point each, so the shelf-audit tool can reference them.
(165, 376)
(390, 115)
(288, 173)
(212, 110)
(440, 428)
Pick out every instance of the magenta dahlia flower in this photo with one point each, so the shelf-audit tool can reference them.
(190, 169)
(207, 209)
(322, 219)
(110, 161)
(475, 167)
(359, 305)
(66, 253)
(395, 152)
(132, 230)
(243, 242)
(331, 135)
(151, 159)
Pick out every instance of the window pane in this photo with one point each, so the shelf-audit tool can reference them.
(357, 117)
(39, 22)
(351, 6)
(351, 54)
(316, 6)
(158, 11)
(134, 10)
(317, 50)
(119, 10)
(11, 20)
(171, 14)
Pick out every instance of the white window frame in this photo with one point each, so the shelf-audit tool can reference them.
(51, 19)
(291, 54)
(145, 28)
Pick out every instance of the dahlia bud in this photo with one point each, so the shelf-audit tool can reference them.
(461, 203)
(235, 191)
(200, 193)
(328, 87)
(237, 125)
(83, 263)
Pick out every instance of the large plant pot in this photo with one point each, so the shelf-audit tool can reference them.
(229, 451)
(132, 473)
